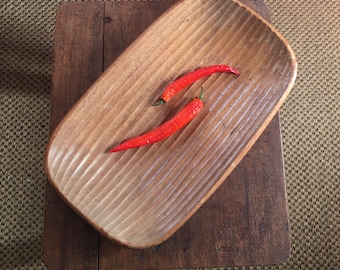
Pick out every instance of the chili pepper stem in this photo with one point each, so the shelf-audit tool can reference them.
(201, 96)
(159, 102)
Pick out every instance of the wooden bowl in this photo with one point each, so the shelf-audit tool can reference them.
(140, 197)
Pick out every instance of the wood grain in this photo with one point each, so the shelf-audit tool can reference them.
(68, 239)
(187, 249)
(139, 198)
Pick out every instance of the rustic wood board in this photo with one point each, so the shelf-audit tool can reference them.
(244, 223)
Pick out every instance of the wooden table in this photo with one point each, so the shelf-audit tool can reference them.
(244, 223)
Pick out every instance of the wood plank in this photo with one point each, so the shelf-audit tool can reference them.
(69, 242)
(244, 223)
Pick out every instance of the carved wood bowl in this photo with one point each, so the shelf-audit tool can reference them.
(140, 197)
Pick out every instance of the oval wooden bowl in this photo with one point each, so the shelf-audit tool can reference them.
(140, 197)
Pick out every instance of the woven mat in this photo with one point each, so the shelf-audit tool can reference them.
(310, 127)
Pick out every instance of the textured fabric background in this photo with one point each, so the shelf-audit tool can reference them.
(310, 126)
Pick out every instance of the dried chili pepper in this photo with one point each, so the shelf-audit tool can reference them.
(189, 78)
(183, 117)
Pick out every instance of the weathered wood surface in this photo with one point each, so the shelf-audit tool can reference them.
(244, 223)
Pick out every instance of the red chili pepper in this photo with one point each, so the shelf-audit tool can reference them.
(183, 117)
(189, 78)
